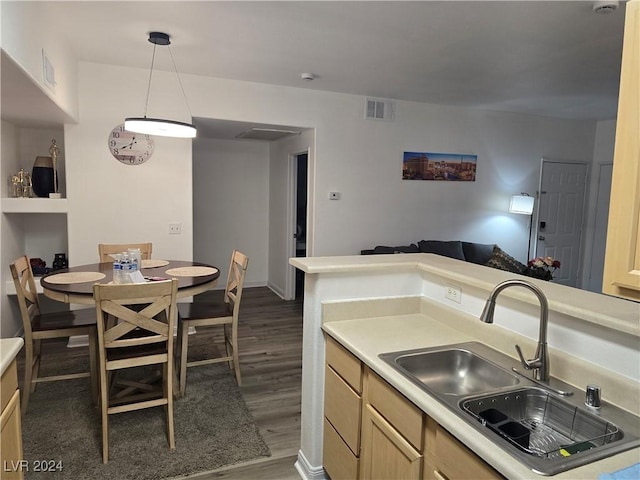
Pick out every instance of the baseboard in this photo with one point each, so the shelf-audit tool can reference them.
(277, 290)
(308, 472)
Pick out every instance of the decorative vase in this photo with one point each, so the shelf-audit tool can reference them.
(42, 176)
(540, 273)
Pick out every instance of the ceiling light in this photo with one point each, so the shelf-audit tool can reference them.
(307, 76)
(159, 126)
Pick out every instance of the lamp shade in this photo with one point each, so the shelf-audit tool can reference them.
(521, 204)
(160, 127)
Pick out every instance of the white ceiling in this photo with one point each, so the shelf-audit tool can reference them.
(554, 58)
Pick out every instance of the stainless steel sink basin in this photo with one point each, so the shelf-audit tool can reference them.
(453, 371)
(547, 432)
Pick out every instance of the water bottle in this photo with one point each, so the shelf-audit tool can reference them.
(135, 258)
(117, 269)
(126, 268)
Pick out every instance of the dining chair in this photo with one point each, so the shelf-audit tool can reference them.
(128, 338)
(40, 326)
(204, 314)
(105, 250)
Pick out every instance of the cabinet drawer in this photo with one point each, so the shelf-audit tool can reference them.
(400, 412)
(9, 384)
(345, 364)
(338, 461)
(455, 460)
(342, 407)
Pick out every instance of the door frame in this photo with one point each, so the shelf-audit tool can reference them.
(292, 189)
(536, 230)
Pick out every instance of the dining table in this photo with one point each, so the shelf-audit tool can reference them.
(75, 284)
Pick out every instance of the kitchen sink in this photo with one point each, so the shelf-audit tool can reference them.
(547, 432)
(452, 371)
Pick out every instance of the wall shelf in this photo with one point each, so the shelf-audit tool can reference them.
(34, 205)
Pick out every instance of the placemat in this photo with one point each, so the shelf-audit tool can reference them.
(152, 263)
(75, 277)
(191, 271)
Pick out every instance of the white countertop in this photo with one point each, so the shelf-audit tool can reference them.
(386, 334)
(602, 310)
(9, 348)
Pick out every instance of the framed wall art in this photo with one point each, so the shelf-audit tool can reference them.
(448, 167)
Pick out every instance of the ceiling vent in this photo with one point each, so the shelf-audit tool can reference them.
(266, 134)
(379, 109)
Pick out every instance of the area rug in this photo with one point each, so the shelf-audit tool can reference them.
(213, 428)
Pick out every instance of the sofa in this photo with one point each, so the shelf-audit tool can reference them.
(490, 255)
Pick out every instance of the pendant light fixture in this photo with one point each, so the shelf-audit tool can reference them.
(159, 126)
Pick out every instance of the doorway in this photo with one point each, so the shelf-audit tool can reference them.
(560, 217)
(301, 162)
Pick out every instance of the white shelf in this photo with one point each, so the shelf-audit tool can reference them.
(34, 205)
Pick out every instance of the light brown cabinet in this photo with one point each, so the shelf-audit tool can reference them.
(371, 431)
(10, 425)
(622, 259)
(342, 412)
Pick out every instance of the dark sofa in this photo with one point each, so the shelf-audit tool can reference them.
(490, 255)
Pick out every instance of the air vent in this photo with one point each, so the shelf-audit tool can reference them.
(379, 109)
(267, 134)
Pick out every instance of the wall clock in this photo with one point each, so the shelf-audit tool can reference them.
(128, 147)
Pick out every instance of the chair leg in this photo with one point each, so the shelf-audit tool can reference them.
(184, 346)
(36, 355)
(28, 375)
(168, 375)
(104, 406)
(235, 356)
(93, 367)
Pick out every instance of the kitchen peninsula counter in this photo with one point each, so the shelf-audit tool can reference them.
(383, 303)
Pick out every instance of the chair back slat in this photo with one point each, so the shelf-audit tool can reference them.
(25, 291)
(106, 250)
(150, 325)
(235, 280)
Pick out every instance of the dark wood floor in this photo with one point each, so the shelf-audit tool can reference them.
(270, 338)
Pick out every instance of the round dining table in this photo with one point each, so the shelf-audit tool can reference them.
(75, 284)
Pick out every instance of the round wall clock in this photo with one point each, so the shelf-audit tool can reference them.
(128, 147)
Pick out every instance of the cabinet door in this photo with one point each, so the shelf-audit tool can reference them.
(622, 257)
(385, 453)
(11, 439)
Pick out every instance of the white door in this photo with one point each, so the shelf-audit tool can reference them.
(560, 217)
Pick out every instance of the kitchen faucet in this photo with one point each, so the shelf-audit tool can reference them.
(540, 363)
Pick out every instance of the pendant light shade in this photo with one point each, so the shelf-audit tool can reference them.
(160, 126)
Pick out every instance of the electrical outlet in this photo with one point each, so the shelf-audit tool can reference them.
(453, 293)
(175, 228)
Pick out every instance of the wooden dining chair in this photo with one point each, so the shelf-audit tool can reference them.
(224, 314)
(105, 250)
(38, 327)
(128, 338)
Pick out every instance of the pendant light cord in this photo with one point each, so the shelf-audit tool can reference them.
(184, 95)
(146, 102)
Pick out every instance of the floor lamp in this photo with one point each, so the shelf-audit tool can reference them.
(522, 204)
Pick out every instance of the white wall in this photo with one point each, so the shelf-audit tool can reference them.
(26, 32)
(231, 204)
(594, 254)
(114, 203)
(362, 160)
(281, 213)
